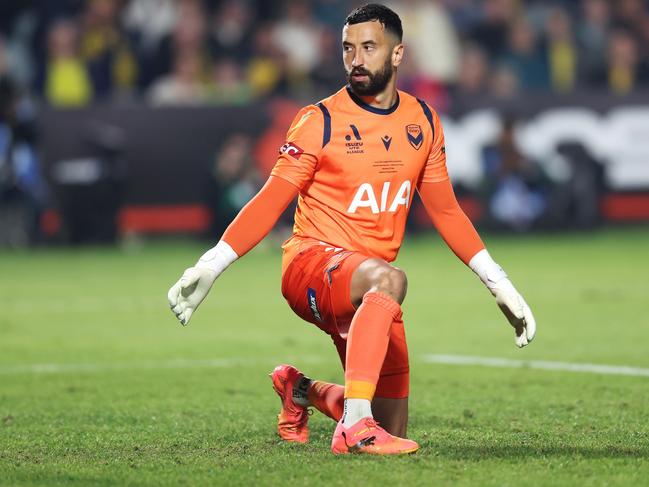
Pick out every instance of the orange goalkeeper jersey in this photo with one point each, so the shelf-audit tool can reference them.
(357, 167)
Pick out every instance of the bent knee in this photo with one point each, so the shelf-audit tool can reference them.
(388, 280)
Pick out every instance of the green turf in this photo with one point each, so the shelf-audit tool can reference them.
(135, 399)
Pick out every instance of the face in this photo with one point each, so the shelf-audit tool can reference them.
(370, 56)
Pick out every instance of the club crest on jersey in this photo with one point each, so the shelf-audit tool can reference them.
(291, 149)
(415, 135)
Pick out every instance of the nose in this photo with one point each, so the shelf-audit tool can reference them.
(358, 59)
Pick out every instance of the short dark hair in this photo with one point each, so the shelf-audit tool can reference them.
(374, 11)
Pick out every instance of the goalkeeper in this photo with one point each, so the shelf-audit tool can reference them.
(353, 161)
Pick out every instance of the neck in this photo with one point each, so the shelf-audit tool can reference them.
(385, 99)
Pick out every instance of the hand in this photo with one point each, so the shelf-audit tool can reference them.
(190, 291)
(516, 310)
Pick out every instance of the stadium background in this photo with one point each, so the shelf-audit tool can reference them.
(147, 117)
(139, 127)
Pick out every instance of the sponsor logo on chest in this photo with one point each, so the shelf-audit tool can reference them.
(354, 141)
(382, 199)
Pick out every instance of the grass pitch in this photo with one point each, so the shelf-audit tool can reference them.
(100, 386)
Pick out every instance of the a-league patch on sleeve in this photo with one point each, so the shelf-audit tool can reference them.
(291, 149)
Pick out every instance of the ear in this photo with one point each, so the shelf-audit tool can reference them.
(397, 55)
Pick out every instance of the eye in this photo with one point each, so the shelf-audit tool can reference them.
(369, 47)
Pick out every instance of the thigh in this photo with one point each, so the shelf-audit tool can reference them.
(305, 288)
(316, 286)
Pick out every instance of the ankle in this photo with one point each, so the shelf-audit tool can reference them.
(301, 392)
(355, 410)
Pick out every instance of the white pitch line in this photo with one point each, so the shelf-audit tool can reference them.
(219, 363)
(99, 367)
(243, 361)
(536, 364)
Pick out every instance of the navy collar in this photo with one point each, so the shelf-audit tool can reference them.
(370, 108)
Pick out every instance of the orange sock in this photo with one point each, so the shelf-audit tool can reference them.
(327, 398)
(367, 344)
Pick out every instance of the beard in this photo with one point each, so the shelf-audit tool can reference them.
(375, 83)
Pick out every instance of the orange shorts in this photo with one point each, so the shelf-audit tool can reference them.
(316, 285)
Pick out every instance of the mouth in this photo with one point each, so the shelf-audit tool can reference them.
(359, 77)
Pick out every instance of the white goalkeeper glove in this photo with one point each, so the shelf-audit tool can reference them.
(192, 287)
(509, 300)
(516, 310)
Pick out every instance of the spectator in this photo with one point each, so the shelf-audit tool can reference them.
(332, 13)
(328, 76)
(66, 82)
(190, 33)
(623, 71)
(184, 86)
(233, 181)
(18, 41)
(630, 14)
(491, 32)
(592, 33)
(644, 40)
(514, 183)
(4, 58)
(429, 30)
(9, 12)
(149, 23)
(464, 13)
(22, 189)
(229, 86)
(573, 199)
(292, 51)
(298, 36)
(231, 30)
(633, 16)
(473, 81)
(104, 48)
(267, 71)
(192, 63)
(474, 68)
(524, 57)
(503, 84)
(561, 51)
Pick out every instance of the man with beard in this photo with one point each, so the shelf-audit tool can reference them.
(353, 160)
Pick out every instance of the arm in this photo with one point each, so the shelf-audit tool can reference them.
(258, 217)
(460, 235)
(295, 167)
(251, 225)
(450, 221)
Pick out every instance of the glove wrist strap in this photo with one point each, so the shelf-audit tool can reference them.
(218, 258)
(486, 268)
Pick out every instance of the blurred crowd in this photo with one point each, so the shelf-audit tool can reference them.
(74, 52)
